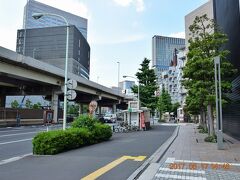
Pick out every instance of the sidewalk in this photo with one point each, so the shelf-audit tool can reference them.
(189, 157)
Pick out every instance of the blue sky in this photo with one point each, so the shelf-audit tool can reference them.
(118, 30)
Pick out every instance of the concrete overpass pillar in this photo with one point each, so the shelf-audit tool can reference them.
(114, 108)
(2, 100)
(99, 110)
(55, 106)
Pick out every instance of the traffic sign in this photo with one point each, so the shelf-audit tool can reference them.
(71, 84)
(71, 94)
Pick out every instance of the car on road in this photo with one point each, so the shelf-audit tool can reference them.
(110, 118)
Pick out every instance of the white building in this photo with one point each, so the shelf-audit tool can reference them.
(172, 80)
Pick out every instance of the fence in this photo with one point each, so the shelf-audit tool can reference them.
(15, 117)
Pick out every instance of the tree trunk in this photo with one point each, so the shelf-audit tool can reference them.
(203, 118)
(210, 120)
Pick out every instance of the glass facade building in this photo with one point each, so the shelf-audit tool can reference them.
(50, 21)
(49, 45)
(162, 52)
(126, 86)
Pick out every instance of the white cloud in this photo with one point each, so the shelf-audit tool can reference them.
(139, 4)
(71, 6)
(178, 35)
(124, 3)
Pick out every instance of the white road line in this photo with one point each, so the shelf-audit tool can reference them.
(182, 170)
(207, 162)
(170, 160)
(11, 130)
(168, 176)
(10, 142)
(14, 159)
(6, 135)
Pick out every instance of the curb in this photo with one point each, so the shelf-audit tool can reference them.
(156, 156)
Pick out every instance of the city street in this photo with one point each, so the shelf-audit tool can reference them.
(123, 154)
(17, 141)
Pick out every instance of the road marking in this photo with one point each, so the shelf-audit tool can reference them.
(168, 176)
(182, 170)
(207, 162)
(170, 160)
(111, 165)
(14, 159)
(6, 135)
(10, 142)
(11, 130)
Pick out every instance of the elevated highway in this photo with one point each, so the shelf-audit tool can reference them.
(21, 75)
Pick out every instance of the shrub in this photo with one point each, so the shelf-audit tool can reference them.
(101, 132)
(200, 127)
(203, 130)
(212, 139)
(84, 121)
(53, 142)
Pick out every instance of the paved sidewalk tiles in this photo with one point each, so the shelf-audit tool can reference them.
(197, 170)
(191, 158)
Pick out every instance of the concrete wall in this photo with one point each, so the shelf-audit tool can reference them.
(206, 8)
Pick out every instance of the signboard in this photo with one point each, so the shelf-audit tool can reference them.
(92, 107)
(133, 104)
(71, 84)
(71, 94)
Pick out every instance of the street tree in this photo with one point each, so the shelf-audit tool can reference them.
(205, 44)
(28, 104)
(148, 85)
(14, 104)
(195, 104)
(174, 108)
(37, 106)
(164, 103)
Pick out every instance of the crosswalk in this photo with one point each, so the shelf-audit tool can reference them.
(197, 170)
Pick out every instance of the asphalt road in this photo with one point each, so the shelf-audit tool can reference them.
(79, 163)
(17, 141)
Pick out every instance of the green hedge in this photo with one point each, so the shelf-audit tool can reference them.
(84, 121)
(53, 142)
(212, 139)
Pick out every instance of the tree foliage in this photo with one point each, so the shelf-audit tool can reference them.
(174, 108)
(28, 104)
(37, 106)
(14, 104)
(205, 44)
(148, 85)
(164, 102)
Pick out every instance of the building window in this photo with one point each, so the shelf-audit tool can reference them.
(79, 52)
(79, 43)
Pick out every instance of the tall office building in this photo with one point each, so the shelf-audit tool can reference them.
(162, 52)
(49, 45)
(226, 14)
(126, 86)
(50, 21)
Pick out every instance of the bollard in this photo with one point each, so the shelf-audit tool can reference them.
(18, 118)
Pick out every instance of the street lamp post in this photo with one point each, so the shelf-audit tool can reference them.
(118, 75)
(138, 89)
(38, 16)
(217, 70)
